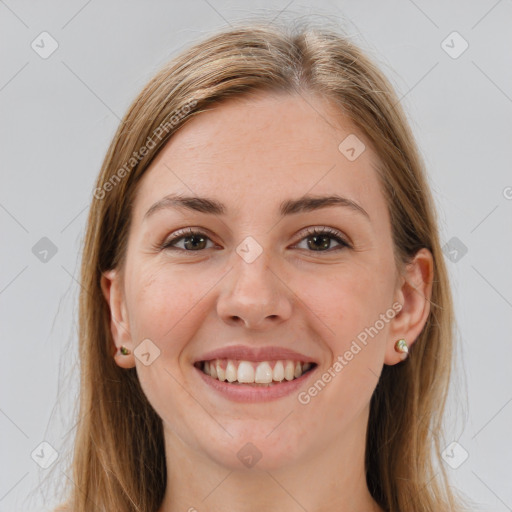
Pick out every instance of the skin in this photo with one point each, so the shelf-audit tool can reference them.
(251, 154)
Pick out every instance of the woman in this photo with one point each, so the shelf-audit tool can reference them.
(265, 314)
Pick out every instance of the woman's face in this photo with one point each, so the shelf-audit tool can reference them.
(257, 276)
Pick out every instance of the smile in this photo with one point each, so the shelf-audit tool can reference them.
(263, 373)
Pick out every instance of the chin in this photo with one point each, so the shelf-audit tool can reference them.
(256, 449)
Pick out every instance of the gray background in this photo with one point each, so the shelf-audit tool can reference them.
(60, 113)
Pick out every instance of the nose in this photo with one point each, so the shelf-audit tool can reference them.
(254, 296)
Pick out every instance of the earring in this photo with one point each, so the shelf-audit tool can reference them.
(401, 346)
(124, 350)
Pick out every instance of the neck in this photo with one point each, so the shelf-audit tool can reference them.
(332, 480)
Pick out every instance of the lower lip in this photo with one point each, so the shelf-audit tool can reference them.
(243, 393)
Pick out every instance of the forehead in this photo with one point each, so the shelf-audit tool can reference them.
(256, 151)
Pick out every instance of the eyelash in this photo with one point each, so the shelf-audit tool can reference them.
(190, 232)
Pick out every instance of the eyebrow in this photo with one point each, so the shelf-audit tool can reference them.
(207, 205)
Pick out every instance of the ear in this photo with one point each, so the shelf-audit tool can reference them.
(414, 291)
(113, 291)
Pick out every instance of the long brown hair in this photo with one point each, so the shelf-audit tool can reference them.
(118, 462)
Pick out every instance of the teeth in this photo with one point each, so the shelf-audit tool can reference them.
(263, 373)
(246, 372)
(289, 370)
(278, 371)
(231, 375)
(221, 374)
(259, 373)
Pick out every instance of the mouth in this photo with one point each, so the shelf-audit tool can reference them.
(255, 373)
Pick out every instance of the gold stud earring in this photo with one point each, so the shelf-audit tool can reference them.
(124, 350)
(401, 346)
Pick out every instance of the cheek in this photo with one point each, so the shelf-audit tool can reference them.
(163, 305)
(346, 300)
(348, 304)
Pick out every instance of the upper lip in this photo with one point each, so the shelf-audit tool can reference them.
(244, 353)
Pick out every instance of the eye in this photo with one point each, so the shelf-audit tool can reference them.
(317, 240)
(194, 240)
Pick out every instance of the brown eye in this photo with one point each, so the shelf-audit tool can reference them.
(317, 240)
(320, 240)
(192, 241)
